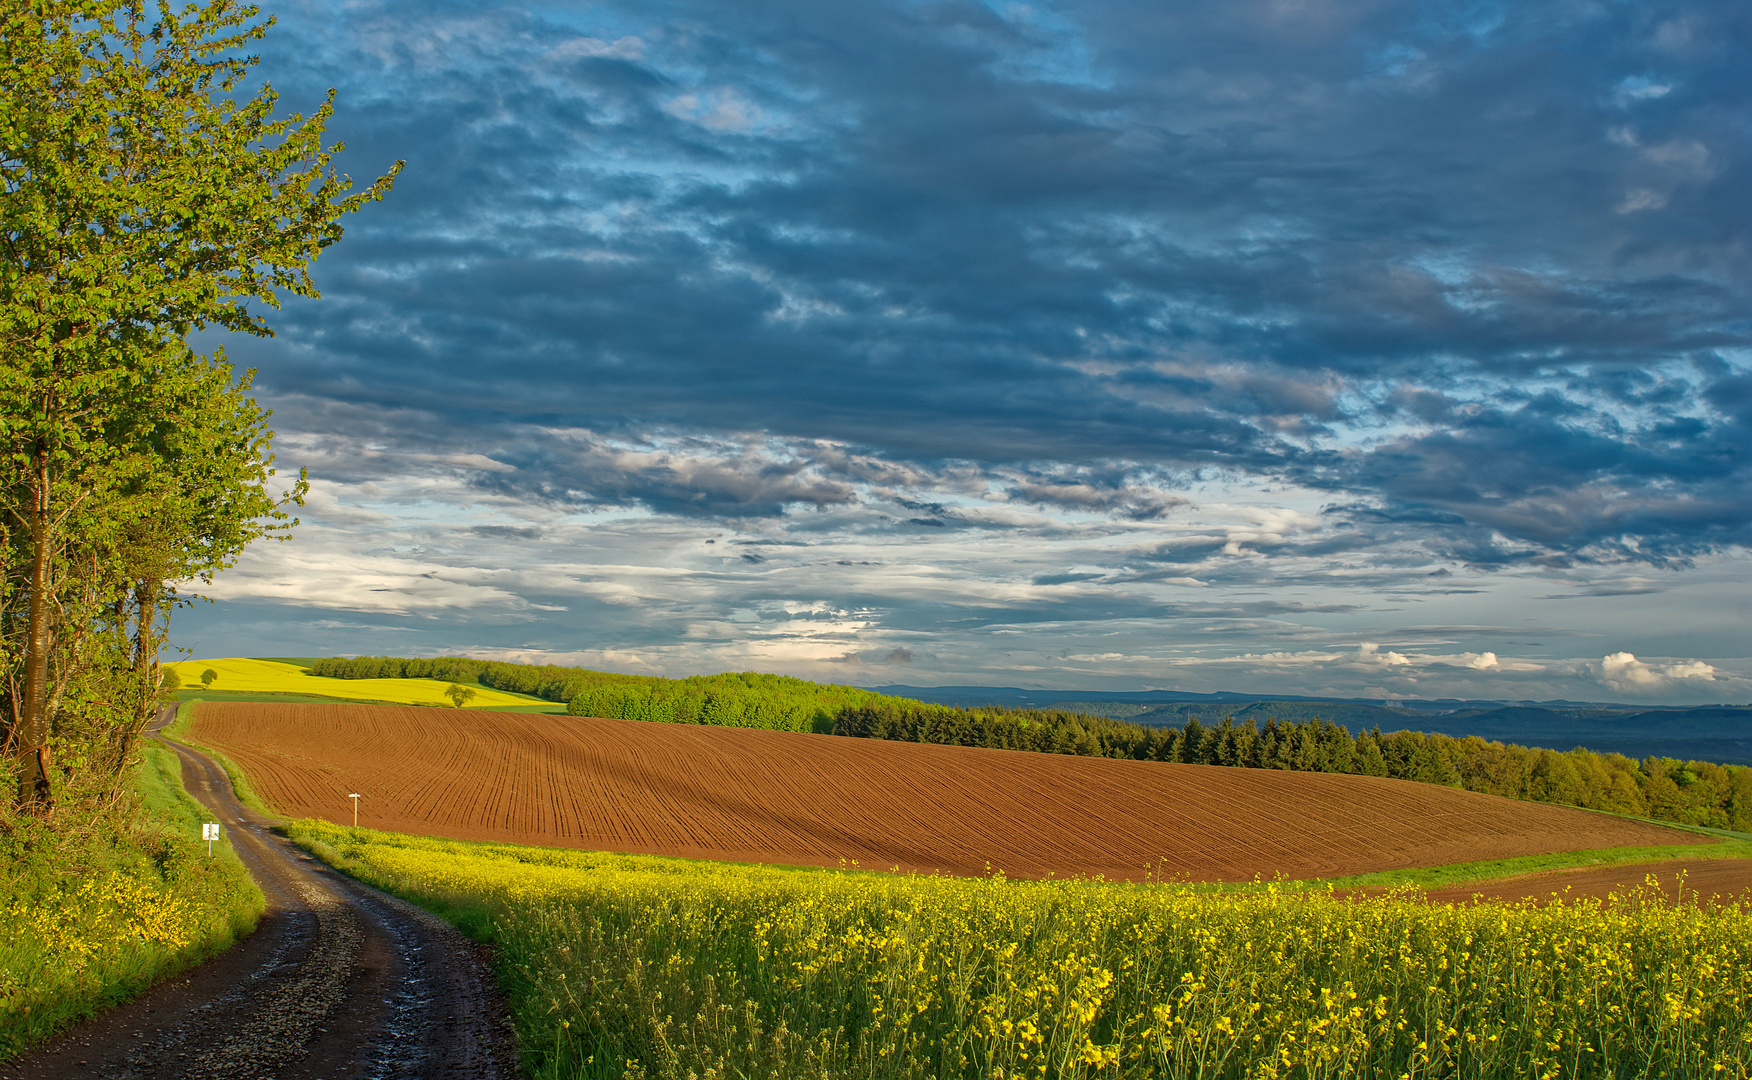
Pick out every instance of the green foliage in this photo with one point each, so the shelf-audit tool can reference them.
(746, 699)
(208, 678)
(459, 695)
(113, 895)
(145, 193)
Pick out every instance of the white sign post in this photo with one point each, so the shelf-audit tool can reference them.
(355, 798)
(210, 833)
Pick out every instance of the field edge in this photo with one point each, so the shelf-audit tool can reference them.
(1451, 874)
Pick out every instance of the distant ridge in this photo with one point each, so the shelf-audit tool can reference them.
(1721, 733)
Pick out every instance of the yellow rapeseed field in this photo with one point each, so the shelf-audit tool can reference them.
(633, 967)
(273, 677)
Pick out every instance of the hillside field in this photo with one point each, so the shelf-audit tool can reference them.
(803, 799)
(237, 675)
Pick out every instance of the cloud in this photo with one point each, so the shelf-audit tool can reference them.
(361, 583)
(1278, 328)
(623, 48)
(884, 658)
(1625, 674)
(735, 476)
(693, 234)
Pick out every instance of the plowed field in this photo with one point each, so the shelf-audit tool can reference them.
(782, 797)
(1709, 880)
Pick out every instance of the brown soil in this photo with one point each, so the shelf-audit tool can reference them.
(783, 797)
(1707, 880)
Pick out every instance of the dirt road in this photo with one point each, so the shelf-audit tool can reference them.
(340, 981)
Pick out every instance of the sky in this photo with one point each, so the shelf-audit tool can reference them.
(1336, 347)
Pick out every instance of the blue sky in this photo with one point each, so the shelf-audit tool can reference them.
(1360, 348)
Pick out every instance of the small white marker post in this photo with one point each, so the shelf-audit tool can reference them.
(210, 833)
(355, 798)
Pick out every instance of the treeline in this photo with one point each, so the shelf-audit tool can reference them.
(547, 682)
(1690, 792)
(733, 699)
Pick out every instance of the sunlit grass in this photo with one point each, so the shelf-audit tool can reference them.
(108, 897)
(236, 675)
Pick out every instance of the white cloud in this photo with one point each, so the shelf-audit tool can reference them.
(1641, 199)
(351, 581)
(624, 48)
(1369, 654)
(1624, 673)
(723, 109)
(1641, 88)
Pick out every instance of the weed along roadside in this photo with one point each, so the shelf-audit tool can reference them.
(114, 893)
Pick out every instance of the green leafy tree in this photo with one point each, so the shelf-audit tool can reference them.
(145, 193)
(207, 678)
(459, 695)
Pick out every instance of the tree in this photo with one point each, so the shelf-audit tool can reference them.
(459, 695)
(207, 678)
(142, 197)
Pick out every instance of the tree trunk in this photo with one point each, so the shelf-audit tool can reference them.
(146, 593)
(34, 791)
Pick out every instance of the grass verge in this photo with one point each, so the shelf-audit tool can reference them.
(178, 730)
(111, 894)
(638, 967)
(1468, 873)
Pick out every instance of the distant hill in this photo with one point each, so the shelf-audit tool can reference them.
(1720, 733)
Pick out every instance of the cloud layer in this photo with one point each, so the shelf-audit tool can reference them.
(1072, 309)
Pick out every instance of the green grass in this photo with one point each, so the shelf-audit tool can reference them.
(240, 785)
(186, 694)
(113, 894)
(1435, 877)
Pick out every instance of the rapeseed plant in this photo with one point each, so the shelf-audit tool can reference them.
(632, 967)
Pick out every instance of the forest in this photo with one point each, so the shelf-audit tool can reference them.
(1687, 792)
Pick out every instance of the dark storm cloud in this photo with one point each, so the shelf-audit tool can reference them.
(1478, 272)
